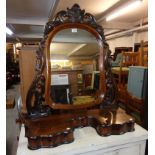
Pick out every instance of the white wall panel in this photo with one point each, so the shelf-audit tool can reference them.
(127, 41)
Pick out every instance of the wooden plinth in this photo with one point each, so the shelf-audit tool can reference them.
(55, 130)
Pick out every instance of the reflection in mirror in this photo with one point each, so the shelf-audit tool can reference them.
(74, 57)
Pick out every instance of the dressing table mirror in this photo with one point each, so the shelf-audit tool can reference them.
(73, 86)
(74, 70)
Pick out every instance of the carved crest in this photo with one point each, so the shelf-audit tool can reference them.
(73, 15)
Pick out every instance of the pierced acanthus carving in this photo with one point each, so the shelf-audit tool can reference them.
(110, 98)
(74, 15)
(40, 57)
(35, 98)
(39, 81)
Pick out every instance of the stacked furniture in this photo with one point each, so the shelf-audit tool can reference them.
(119, 50)
(132, 82)
(133, 91)
(117, 61)
(143, 50)
(137, 88)
(127, 59)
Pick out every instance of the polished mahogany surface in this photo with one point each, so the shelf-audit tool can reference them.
(49, 124)
(57, 129)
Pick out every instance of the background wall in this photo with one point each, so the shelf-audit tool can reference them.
(127, 41)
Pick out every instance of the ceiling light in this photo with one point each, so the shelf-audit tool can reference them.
(134, 4)
(8, 31)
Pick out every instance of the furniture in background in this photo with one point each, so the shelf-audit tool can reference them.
(75, 80)
(135, 107)
(143, 50)
(87, 78)
(137, 81)
(137, 93)
(12, 66)
(122, 95)
(121, 72)
(119, 50)
(136, 47)
(61, 94)
(27, 60)
(91, 83)
(136, 104)
(117, 61)
(95, 80)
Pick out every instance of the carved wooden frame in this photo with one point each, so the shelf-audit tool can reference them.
(73, 18)
(44, 127)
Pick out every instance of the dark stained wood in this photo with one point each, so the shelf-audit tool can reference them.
(49, 124)
(55, 130)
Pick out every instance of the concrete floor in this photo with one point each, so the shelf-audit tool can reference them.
(12, 129)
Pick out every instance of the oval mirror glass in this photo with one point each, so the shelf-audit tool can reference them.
(74, 55)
